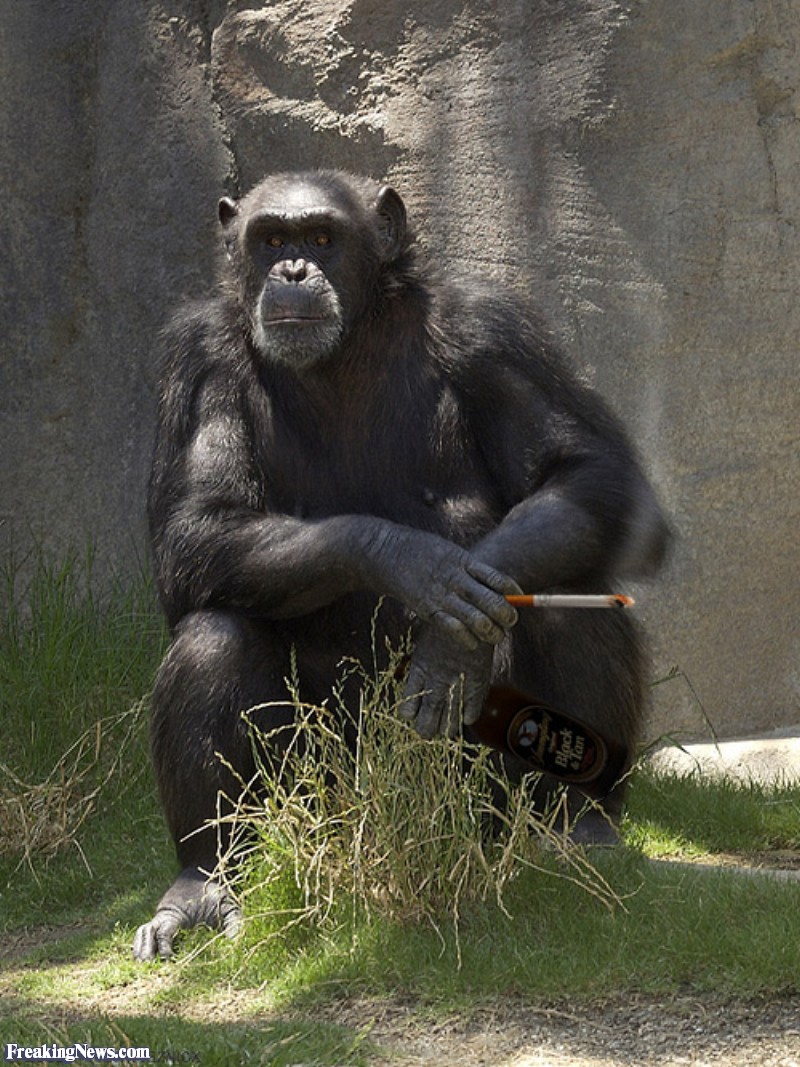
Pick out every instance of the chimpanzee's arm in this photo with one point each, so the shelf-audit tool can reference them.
(580, 510)
(218, 544)
(593, 520)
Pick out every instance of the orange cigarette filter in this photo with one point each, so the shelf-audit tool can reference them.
(570, 600)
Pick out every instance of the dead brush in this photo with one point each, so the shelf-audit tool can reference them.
(394, 827)
(40, 819)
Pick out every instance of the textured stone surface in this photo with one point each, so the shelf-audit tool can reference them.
(631, 166)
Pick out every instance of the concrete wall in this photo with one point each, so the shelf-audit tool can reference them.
(630, 165)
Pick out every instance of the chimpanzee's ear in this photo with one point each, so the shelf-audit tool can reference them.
(391, 213)
(228, 210)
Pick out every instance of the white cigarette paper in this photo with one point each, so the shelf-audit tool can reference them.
(571, 600)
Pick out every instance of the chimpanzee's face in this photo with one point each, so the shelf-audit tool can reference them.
(305, 250)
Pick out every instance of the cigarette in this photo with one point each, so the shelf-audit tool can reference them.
(570, 600)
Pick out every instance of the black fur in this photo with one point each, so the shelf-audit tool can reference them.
(410, 439)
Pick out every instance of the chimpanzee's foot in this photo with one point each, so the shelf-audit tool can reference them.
(594, 827)
(192, 900)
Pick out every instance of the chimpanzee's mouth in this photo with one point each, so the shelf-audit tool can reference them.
(283, 320)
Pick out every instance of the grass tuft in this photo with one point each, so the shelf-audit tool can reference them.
(390, 826)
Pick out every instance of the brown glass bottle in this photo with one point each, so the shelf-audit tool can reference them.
(550, 741)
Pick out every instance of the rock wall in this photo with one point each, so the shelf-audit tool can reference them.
(629, 165)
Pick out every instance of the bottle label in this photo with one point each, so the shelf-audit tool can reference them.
(556, 744)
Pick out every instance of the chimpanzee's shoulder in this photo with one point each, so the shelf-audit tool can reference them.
(202, 337)
(203, 323)
(482, 322)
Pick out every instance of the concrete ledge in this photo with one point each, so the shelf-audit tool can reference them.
(769, 759)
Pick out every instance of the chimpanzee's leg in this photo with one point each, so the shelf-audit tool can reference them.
(218, 665)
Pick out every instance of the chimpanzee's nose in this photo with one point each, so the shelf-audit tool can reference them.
(294, 270)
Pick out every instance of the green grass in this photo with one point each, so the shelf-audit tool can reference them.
(454, 923)
(676, 815)
(75, 781)
(70, 657)
(181, 1041)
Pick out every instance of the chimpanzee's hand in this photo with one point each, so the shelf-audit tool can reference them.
(446, 684)
(444, 584)
(192, 900)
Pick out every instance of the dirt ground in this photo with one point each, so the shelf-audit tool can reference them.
(634, 1032)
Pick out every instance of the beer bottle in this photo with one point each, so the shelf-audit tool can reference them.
(550, 741)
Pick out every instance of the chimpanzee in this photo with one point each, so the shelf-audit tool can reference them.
(338, 429)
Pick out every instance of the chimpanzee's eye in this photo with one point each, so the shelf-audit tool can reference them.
(274, 241)
(322, 239)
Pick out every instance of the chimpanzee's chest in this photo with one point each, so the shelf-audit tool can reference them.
(414, 461)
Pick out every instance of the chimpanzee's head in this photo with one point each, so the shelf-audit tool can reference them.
(305, 254)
